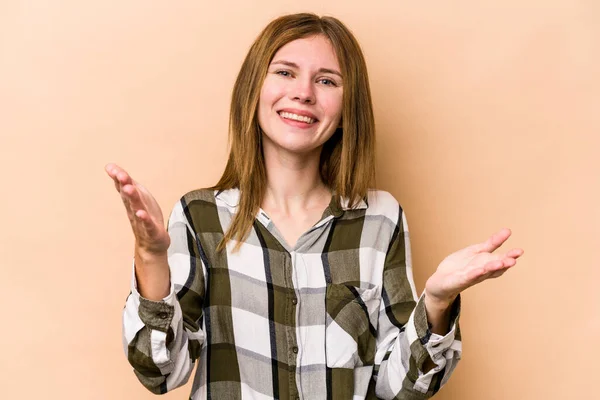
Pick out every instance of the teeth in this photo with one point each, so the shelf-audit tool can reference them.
(296, 117)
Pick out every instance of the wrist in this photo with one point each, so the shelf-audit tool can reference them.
(152, 274)
(434, 303)
(146, 257)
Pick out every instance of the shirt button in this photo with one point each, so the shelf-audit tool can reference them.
(295, 350)
(294, 301)
(163, 315)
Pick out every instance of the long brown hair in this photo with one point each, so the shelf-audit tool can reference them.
(347, 162)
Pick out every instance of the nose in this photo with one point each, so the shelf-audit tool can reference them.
(303, 92)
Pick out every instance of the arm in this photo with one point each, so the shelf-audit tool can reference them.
(411, 361)
(163, 338)
(162, 315)
(420, 359)
(438, 318)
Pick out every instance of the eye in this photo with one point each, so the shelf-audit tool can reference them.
(283, 72)
(327, 82)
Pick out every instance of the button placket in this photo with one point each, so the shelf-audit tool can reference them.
(290, 312)
(293, 342)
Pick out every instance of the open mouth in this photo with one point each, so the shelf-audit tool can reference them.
(296, 117)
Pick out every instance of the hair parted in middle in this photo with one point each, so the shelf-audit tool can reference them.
(347, 162)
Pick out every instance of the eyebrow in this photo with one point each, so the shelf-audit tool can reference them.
(294, 65)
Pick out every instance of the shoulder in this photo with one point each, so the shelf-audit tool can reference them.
(221, 198)
(197, 203)
(209, 201)
(204, 194)
(201, 208)
(382, 203)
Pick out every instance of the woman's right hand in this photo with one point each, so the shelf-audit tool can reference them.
(145, 215)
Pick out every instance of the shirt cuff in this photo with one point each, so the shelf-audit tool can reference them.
(156, 315)
(433, 345)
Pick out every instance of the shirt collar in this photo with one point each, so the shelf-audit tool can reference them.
(339, 205)
(231, 197)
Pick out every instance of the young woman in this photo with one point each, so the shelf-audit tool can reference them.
(291, 278)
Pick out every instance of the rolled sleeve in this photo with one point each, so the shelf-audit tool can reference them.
(157, 315)
(444, 351)
(162, 339)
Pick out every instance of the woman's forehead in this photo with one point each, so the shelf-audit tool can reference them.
(316, 50)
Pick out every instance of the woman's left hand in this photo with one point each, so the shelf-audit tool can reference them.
(469, 266)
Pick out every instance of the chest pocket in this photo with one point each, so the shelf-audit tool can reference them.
(351, 325)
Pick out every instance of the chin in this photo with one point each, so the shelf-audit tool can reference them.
(298, 148)
(295, 146)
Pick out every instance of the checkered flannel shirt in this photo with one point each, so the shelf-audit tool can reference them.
(334, 317)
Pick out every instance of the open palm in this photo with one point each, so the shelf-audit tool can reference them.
(471, 265)
(144, 213)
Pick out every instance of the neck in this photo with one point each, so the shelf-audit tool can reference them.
(293, 181)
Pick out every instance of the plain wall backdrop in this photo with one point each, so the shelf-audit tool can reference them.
(488, 115)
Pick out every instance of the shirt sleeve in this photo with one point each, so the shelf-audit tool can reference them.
(404, 340)
(162, 339)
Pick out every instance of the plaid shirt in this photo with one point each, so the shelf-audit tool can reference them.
(335, 317)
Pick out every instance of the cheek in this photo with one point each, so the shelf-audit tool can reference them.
(333, 107)
(263, 100)
(263, 107)
(268, 97)
(269, 93)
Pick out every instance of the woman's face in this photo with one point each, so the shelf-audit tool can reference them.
(300, 102)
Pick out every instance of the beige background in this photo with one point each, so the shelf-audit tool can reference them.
(487, 114)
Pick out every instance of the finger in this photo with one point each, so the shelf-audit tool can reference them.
(509, 262)
(514, 253)
(146, 221)
(118, 175)
(124, 178)
(109, 168)
(145, 228)
(128, 207)
(117, 184)
(477, 274)
(112, 170)
(501, 264)
(132, 195)
(491, 269)
(497, 274)
(494, 274)
(488, 275)
(142, 225)
(150, 203)
(474, 275)
(494, 241)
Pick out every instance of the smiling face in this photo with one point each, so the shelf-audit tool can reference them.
(300, 102)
